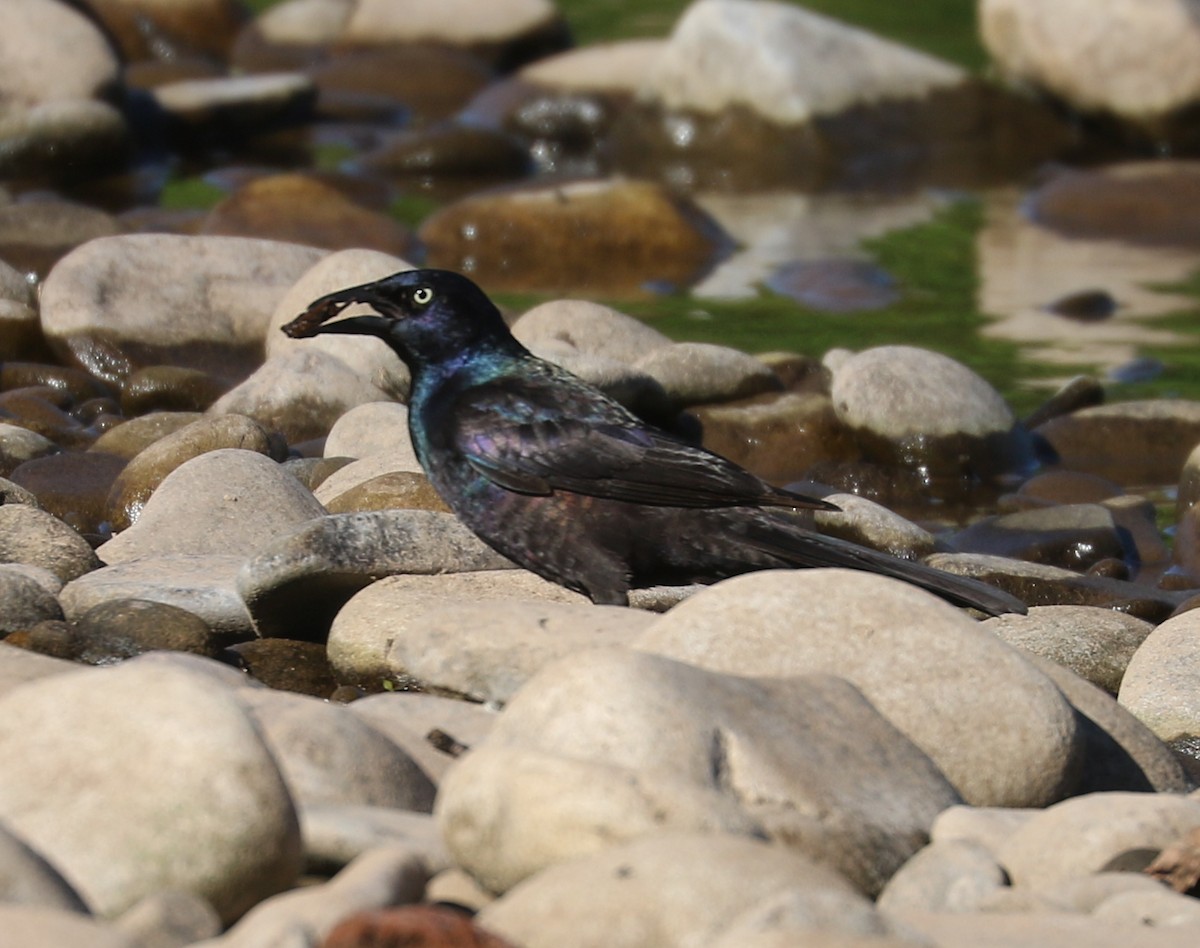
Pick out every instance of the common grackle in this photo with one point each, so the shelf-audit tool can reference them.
(563, 480)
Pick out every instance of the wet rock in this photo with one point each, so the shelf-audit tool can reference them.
(1132, 60)
(1120, 753)
(29, 880)
(361, 634)
(36, 538)
(329, 756)
(147, 28)
(10, 493)
(292, 31)
(1065, 487)
(24, 601)
(587, 328)
(412, 924)
(294, 586)
(287, 665)
(415, 721)
(388, 875)
(228, 108)
(373, 428)
(506, 34)
(303, 210)
(1073, 536)
(355, 475)
(226, 501)
(835, 286)
(40, 409)
(919, 408)
(122, 628)
(20, 328)
(486, 649)
(560, 734)
(147, 470)
(36, 234)
(947, 876)
(62, 140)
(118, 730)
(1147, 202)
(1085, 834)
(1160, 679)
(73, 486)
(428, 81)
(779, 437)
(34, 34)
(169, 388)
(312, 472)
(549, 238)
(121, 303)
(918, 645)
(478, 156)
(1096, 644)
(131, 437)
(398, 489)
(1156, 436)
(200, 584)
(869, 524)
(696, 372)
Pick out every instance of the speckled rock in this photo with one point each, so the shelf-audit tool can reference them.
(24, 599)
(225, 502)
(922, 654)
(147, 470)
(591, 732)
(118, 731)
(37, 538)
(18, 445)
(294, 586)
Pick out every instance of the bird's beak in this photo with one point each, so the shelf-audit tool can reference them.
(316, 318)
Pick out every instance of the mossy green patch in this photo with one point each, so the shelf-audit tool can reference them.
(185, 194)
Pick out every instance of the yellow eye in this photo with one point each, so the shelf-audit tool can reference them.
(422, 295)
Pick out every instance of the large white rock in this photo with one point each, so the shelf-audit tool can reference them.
(34, 65)
(1161, 686)
(145, 776)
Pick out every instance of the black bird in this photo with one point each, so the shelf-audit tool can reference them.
(555, 475)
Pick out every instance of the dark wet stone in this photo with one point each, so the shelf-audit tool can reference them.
(72, 486)
(1154, 439)
(835, 286)
(300, 209)
(54, 637)
(170, 388)
(312, 470)
(395, 490)
(1187, 541)
(1065, 487)
(229, 109)
(122, 628)
(1111, 568)
(429, 81)
(133, 435)
(288, 665)
(150, 73)
(550, 237)
(11, 493)
(66, 140)
(34, 537)
(1137, 522)
(18, 445)
(449, 149)
(1073, 536)
(40, 409)
(172, 30)
(1081, 392)
(23, 601)
(779, 437)
(75, 383)
(1039, 585)
(294, 587)
(1085, 306)
(1144, 202)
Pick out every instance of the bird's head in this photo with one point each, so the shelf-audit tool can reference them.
(427, 316)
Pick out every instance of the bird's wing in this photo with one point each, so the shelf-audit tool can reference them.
(534, 436)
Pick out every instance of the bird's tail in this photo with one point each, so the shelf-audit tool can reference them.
(796, 546)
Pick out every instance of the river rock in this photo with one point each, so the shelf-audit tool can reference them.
(226, 108)
(336, 834)
(37, 538)
(227, 501)
(628, 744)
(908, 652)
(18, 666)
(1134, 60)
(361, 634)
(1160, 682)
(373, 428)
(120, 303)
(1083, 835)
(29, 880)
(37, 925)
(23, 600)
(295, 586)
(719, 877)
(201, 584)
(134, 435)
(947, 876)
(34, 34)
(122, 628)
(329, 756)
(1040, 928)
(588, 328)
(34, 236)
(118, 730)
(400, 459)
(73, 486)
(1096, 644)
(147, 470)
(549, 237)
(18, 445)
(65, 139)
(696, 372)
(150, 28)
